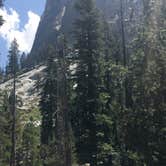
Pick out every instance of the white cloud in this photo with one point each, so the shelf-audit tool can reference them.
(11, 29)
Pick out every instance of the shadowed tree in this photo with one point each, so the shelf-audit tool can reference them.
(12, 69)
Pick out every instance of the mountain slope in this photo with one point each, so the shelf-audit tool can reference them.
(26, 90)
(59, 16)
(28, 86)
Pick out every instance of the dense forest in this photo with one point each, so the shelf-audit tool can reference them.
(102, 94)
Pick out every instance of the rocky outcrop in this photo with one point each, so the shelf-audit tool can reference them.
(49, 26)
(29, 85)
(59, 16)
(27, 88)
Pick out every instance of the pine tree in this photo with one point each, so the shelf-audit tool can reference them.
(114, 74)
(48, 107)
(48, 99)
(13, 56)
(12, 70)
(2, 75)
(23, 59)
(56, 131)
(89, 46)
(63, 126)
(144, 120)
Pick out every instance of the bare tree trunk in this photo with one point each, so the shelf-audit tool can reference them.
(13, 112)
(124, 52)
(124, 160)
(63, 111)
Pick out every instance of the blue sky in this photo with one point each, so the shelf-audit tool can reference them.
(22, 18)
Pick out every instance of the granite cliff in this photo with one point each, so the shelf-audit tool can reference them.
(59, 15)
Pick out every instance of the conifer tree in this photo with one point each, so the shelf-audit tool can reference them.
(48, 100)
(114, 74)
(48, 106)
(89, 45)
(2, 75)
(144, 119)
(55, 130)
(23, 59)
(12, 70)
(13, 55)
(63, 127)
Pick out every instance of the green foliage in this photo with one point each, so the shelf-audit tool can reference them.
(143, 122)
(48, 100)
(5, 142)
(118, 109)
(89, 45)
(27, 134)
(49, 155)
(55, 127)
(29, 151)
(13, 56)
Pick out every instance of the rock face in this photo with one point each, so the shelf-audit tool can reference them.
(26, 88)
(59, 16)
(49, 27)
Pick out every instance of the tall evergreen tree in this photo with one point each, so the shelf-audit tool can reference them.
(56, 131)
(13, 55)
(114, 74)
(23, 59)
(12, 70)
(144, 119)
(2, 75)
(89, 45)
(48, 106)
(63, 127)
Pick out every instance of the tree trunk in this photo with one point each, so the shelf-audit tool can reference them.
(124, 54)
(13, 112)
(64, 146)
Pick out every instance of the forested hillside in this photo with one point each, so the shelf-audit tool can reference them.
(92, 92)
